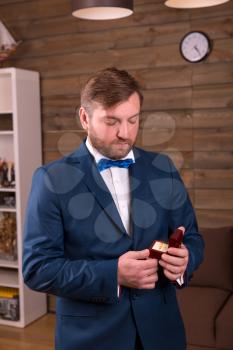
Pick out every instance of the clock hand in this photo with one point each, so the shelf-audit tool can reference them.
(195, 47)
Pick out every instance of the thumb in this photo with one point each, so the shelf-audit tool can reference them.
(139, 254)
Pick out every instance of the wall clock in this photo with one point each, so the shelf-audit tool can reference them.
(195, 46)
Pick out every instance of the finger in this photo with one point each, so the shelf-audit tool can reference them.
(174, 269)
(148, 286)
(150, 279)
(149, 283)
(181, 252)
(149, 272)
(171, 276)
(140, 254)
(150, 276)
(147, 264)
(172, 260)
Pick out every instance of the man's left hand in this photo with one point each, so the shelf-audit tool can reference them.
(174, 262)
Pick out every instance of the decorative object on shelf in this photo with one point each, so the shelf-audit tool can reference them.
(102, 9)
(191, 4)
(7, 43)
(195, 46)
(9, 303)
(8, 245)
(7, 174)
(7, 200)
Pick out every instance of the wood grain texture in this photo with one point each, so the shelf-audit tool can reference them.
(209, 118)
(213, 160)
(38, 335)
(213, 178)
(214, 199)
(213, 139)
(214, 218)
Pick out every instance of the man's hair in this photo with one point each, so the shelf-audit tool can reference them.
(109, 87)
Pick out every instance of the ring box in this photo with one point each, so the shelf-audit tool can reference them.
(159, 247)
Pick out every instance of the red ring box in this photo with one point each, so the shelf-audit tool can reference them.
(159, 247)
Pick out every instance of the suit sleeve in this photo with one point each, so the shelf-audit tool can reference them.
(45, 266)
(182, 214)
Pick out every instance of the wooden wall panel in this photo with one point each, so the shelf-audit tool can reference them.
(114, 39)
(220, 199)
(162, 77)
(180, 140)
(214, 218)
(212, 139)
(213, 178)
(216, 96)
(215, 73)
(213, 118)
(213, 160)
(145, 13)
(188, 109)
(83, 62)
(34, 9)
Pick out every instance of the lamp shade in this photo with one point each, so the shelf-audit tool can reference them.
(102, 9)
(191, 4)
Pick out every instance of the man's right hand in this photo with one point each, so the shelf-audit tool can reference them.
(137, 270)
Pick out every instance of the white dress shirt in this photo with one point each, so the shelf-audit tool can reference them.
(117, 181)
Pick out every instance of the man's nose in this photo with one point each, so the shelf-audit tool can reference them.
(123, 131)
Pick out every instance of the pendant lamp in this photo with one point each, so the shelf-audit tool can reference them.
(191, 4)
(102, 9)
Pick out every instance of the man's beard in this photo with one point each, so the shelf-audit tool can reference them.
(110, 151)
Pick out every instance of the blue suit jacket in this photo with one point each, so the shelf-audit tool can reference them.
(74, 237)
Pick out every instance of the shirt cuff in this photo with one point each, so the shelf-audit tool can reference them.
(118, 290)
(180, 280)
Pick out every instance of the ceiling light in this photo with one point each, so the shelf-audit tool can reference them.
(191, 4)
(102, 9)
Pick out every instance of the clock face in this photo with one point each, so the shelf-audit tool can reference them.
(195, 46)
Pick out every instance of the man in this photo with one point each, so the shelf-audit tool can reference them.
(92, 217)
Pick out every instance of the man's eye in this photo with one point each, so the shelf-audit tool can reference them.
(133, 120)
(111, 121)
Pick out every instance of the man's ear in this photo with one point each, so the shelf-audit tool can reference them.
(83, 118)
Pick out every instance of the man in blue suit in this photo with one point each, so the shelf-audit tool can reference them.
(91, 218)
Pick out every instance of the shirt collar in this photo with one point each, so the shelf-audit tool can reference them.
(97, 155)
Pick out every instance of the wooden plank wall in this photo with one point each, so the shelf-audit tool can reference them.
(188, 109)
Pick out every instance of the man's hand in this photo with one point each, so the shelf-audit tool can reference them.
(174, 262)
(135, 270)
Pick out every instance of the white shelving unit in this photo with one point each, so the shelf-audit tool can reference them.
(20, 143)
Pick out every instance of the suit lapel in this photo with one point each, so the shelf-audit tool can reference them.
(96, 184)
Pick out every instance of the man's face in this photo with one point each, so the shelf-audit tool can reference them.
(113, 131)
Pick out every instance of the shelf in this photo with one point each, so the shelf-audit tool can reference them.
(8, 278)
(7, 111)
(10, 323)
(6, 132)
(7, 210)
(7, 189)
(9, 264)
(20, 149)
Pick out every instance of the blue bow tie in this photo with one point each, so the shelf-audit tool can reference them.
(105, 163)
